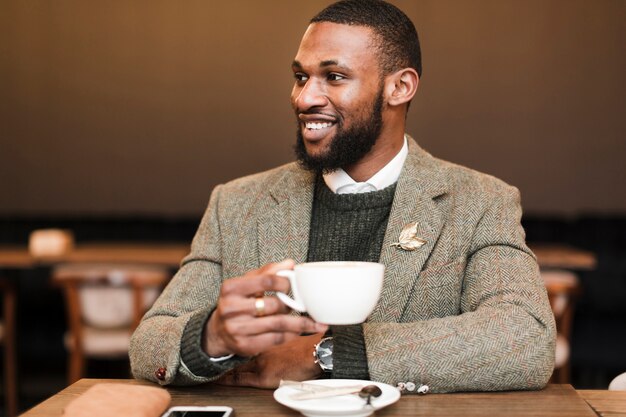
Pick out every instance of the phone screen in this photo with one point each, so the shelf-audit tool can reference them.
(198, 411)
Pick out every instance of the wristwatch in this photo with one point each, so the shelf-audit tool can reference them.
(323, 354)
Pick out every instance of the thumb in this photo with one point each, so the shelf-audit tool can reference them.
(279, 266)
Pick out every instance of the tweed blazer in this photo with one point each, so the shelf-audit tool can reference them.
(467, 311)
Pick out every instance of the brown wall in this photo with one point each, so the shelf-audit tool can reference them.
(134, 106)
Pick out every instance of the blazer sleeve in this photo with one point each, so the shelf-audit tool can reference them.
(503, 338)
(174, 323)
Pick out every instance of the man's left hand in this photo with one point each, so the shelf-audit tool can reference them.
(292, 360)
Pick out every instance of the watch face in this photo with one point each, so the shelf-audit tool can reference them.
(324, 354)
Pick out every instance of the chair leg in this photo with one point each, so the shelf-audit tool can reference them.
(76, 367)
(10, 354)
(563, 377)
(77, 361)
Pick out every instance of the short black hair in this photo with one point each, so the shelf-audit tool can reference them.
(398, 44)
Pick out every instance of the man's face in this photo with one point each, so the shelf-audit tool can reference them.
(337, 95)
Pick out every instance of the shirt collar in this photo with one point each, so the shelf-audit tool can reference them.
(340, 182)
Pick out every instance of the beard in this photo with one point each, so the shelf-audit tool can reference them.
(348, 146)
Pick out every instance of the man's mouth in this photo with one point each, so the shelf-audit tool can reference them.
(317, 125)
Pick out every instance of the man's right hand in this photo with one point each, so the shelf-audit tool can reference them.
(235, 327)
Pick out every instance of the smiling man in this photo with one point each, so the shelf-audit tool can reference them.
(338, 98)
(464, 311)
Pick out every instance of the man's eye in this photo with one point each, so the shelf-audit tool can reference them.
(300, 77)
(335, 77)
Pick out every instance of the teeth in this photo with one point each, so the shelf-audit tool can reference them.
(317, 126)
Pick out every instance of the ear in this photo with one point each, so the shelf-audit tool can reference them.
(401, 86)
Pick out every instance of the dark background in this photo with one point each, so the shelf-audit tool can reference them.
(143, 106)
(118, 118)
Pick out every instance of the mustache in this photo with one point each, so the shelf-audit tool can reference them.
(309, 112)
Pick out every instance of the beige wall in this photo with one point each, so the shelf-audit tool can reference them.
(116, 107)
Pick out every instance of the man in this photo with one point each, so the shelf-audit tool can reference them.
(464, 311)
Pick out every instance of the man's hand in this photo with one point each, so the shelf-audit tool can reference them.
(234, 326)
(292, 360)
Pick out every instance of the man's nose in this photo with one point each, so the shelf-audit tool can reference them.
(312, 94)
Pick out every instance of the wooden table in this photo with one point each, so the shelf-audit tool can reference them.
(165, 254)
(170, 254)
(606, 403)
(554, 400)
(563, 257)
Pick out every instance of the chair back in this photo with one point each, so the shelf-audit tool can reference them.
(114, 307)
(105, 303)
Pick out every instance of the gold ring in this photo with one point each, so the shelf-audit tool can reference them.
(259, 306)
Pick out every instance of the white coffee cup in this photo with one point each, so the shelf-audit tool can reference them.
(334, 292)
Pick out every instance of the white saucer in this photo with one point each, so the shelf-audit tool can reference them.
(341, 405)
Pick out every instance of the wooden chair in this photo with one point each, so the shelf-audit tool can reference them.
(7, 338)
(104, 303)
(563, 288)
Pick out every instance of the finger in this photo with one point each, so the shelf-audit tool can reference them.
(233, 306)
(266, 306)
(277, 324)
(252, 284)
(273, 268)
(254, 345)
(259, 280)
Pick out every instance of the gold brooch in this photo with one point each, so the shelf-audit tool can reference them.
(408, 238)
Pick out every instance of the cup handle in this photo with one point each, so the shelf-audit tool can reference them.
(296, 302)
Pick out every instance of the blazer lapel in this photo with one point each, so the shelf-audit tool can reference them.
(283, 231)
(420, 182)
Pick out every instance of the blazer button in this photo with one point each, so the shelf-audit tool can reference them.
(160, 374)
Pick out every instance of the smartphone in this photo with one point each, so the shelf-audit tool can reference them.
(198, 411)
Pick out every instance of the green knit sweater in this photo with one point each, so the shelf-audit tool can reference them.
(348, 227)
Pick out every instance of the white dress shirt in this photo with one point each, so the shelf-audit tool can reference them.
(341, 183)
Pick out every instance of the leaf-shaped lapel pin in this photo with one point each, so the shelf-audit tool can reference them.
(408, 238)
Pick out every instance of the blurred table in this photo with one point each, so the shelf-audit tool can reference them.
(563, 256)
(170, 254)
(554, 400)
(165, 254)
